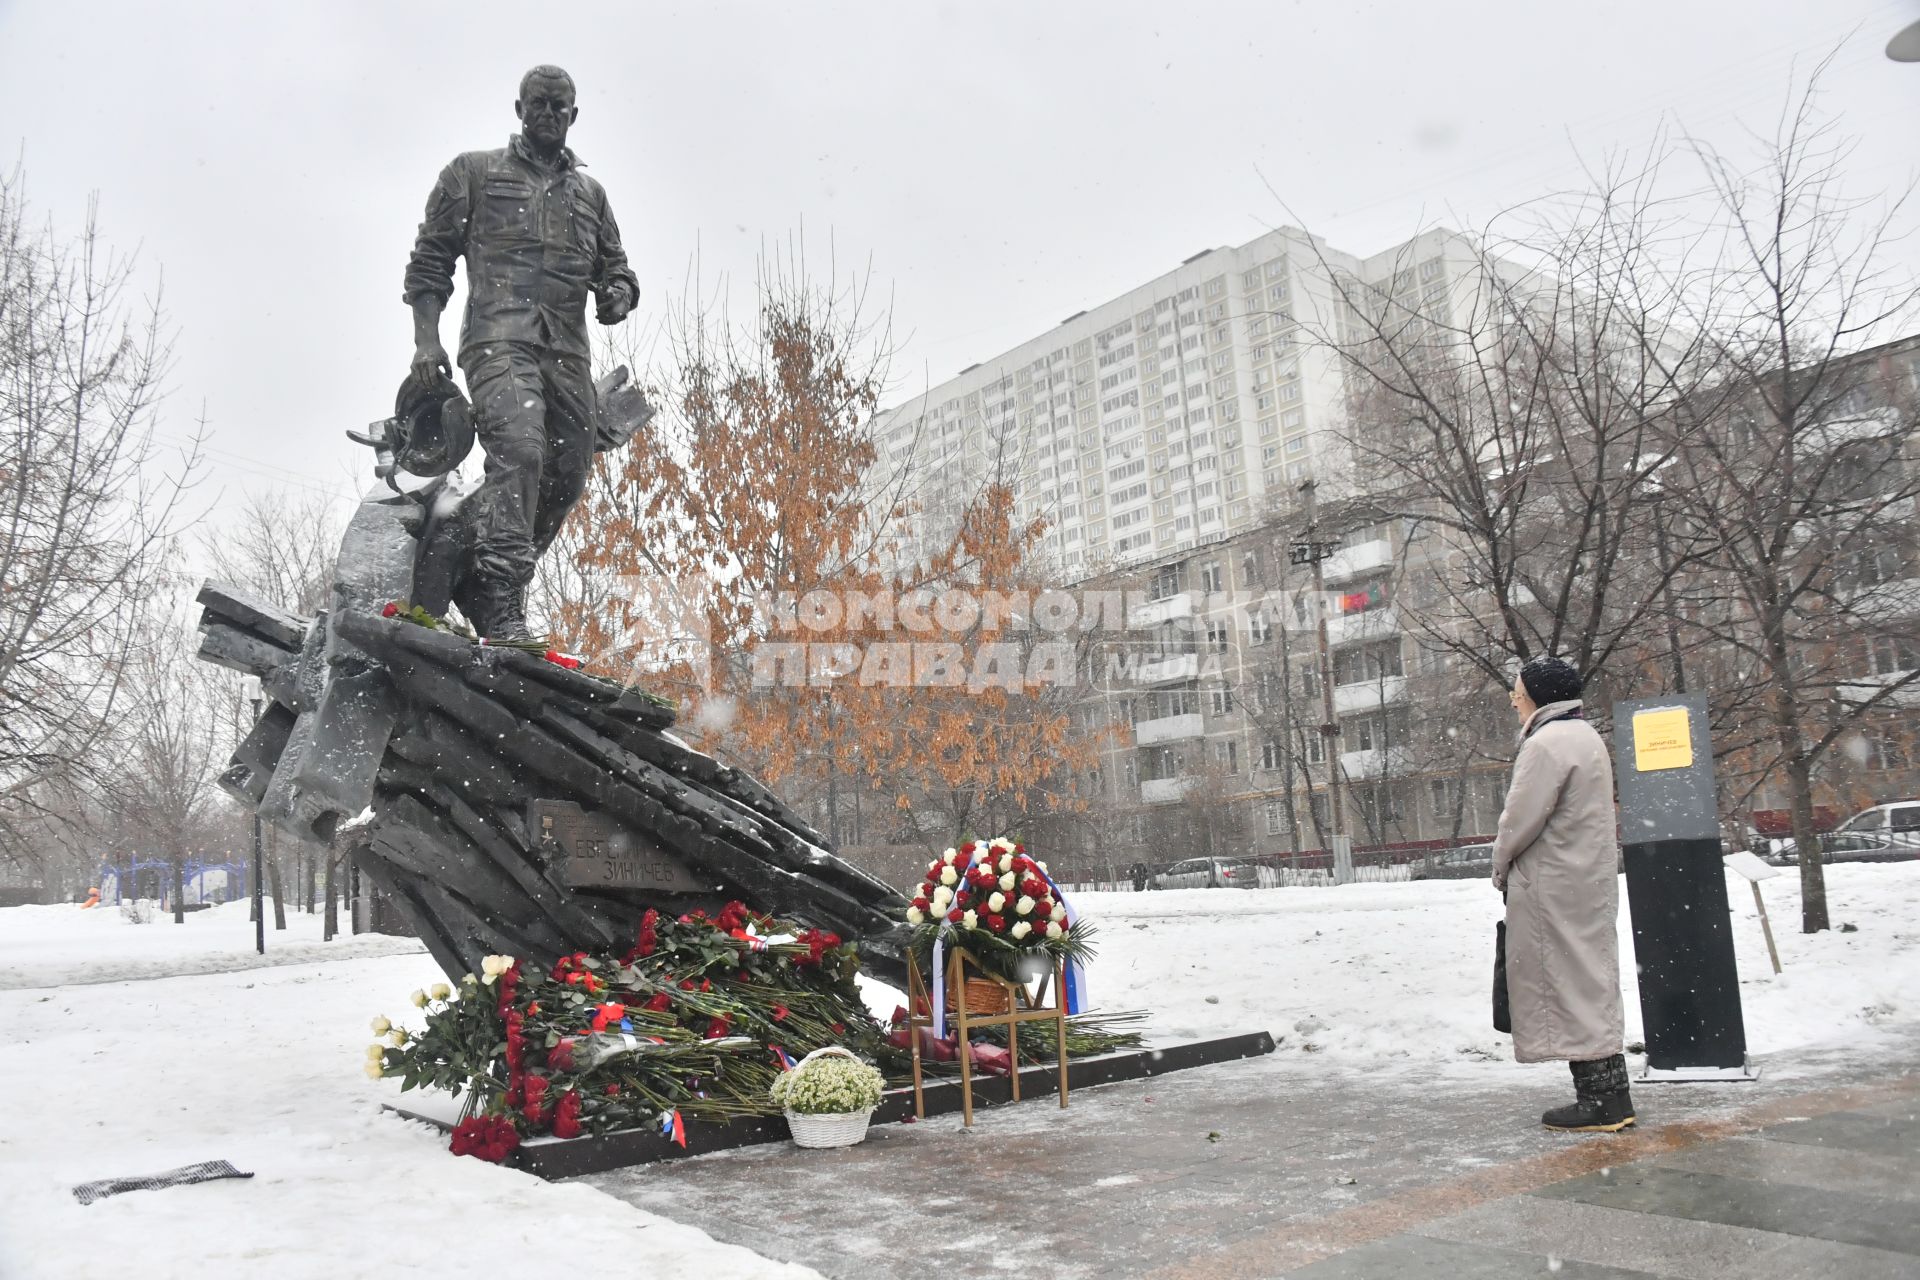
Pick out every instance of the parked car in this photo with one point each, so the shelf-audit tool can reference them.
(1208, 873)
(1883, 833)
(1465, 862)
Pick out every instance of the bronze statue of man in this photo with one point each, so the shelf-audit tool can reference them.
(538, 235)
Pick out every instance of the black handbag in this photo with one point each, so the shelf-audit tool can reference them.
(1502, 1016)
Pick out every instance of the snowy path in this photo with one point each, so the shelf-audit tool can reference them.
(261, 1066)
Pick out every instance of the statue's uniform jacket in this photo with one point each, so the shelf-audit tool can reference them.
(537, 239)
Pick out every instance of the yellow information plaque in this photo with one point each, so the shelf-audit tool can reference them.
(1662, 739)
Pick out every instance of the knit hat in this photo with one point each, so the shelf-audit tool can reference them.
(1550, 680)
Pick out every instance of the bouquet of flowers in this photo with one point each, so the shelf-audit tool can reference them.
(694, 1021)
(999, 903)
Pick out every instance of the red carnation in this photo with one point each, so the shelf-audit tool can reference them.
(838, 1028)
(660, 1003)
(535, 1092)
(608, 1014)
(485, 1137)
(566, 1115)
(956, 915)
(779, 1012)
(717, 1028)
(612, 1091)
(560, 1057)
(922, 903)
(393, 611)
(686, 984)
(649, 938)
(997, 923)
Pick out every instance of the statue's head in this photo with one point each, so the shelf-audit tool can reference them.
(545, 107)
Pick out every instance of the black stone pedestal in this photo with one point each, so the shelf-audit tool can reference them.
(1683, 941)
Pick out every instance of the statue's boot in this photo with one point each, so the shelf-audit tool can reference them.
(503, 614)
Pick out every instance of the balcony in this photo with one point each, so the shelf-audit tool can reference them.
(1154, 612)
(1168, 729)
(1374, 624)
(1175, 666)
(1368, 695)
(1864, 688)
(1885, 603)
(1164, 790)
(1374, 763)
(1351, 562)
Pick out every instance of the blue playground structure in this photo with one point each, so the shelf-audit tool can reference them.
(206, 883)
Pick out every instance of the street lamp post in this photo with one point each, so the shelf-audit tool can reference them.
(259, 912)
(1312, 549)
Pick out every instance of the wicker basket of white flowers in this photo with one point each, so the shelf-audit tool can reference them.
(829, 1096)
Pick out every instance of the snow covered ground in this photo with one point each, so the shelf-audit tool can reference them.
(109, 1069)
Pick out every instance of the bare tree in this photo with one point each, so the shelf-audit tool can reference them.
(1799, 471)
(88, 500)
(283, 548)
(1509, 397)
(169, 750)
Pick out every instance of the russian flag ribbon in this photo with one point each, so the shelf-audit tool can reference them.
(671, 1126)
(1076, 993)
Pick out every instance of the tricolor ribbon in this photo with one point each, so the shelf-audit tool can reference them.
(754, 941)
(939, 990)
(782, 1057)
(1076, 993)
(672, 1127)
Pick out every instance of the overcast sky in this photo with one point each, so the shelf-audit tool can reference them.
(999, 165)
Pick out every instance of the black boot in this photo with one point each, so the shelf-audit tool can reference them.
(1602, 1103)
(502, 617)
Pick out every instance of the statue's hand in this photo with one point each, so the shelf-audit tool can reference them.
(612, 304)
(430, 361)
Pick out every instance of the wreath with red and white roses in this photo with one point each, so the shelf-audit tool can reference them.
(997, 899)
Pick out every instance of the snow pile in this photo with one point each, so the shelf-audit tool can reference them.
(263, 1068)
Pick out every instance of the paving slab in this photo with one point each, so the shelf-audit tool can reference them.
(1399, 1257)
(1800, 1164)
(1874, 1222)
(1682, 1248)
(1876, 1133)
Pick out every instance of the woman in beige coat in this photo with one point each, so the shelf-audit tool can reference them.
(1555, 860)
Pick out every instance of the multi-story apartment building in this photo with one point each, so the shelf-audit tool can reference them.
(1171, 416)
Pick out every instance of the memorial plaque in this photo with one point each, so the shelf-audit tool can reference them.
(596, 852)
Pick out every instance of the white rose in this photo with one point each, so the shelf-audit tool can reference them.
(419, 999)
(376, 1052)
(1006, 862)
(488, 980)
(1042, 866)
(1003, 844)
(1007, 882)
(949, 876)
(375, 1070)
(1059, 912)
(996, 902)
(1022, 929)
(950, 856)
(970, 919)
(399, 1037)
(1024, 906)
(490, 966)
(942, 896)
(916, 916)
(468, 980)
(1054, 930)
(380, 1026)
(440, 991)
